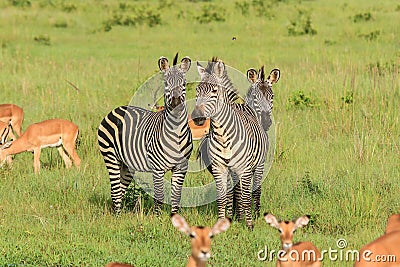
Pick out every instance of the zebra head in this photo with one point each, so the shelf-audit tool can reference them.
(260, 95)
(174, 81)
(263, 85)
(210, 92)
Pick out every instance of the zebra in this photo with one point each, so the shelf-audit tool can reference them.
(237, 144)
(260, 98)
(135, 139)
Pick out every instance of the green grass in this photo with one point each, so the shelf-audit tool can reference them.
(336, 159)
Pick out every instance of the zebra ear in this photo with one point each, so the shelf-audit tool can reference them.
(274, 76)
(219, 68)
(163, 64)
(185, 64)
(202, 71)
(252, 75)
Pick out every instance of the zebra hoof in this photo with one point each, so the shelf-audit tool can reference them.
(250, 227)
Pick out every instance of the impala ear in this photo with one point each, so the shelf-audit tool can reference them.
(185, 64)
(221, 226)
(180, 223)
(271, 220)
(163, 64)
(252, 75)
(301, 221)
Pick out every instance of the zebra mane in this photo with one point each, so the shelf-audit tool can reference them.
(175, 59)
(233, 93)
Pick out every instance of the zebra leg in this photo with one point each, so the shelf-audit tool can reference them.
(220, 176)
(158, 181)
(126, 178)
(114, 171)
(245, 180)
(237, 197)
(229, 195)
(258, 175)
(178, 176)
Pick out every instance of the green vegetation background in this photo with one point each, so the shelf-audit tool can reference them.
(336, 112)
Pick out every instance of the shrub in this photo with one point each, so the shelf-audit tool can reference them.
(301, 25)
(300, 100)
(362, 17)
(42, 39)
(348, 98)
(211, 13)
(68, 7)
(20, 3)
(372, 36)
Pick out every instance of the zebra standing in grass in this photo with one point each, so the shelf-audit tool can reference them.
(260, 98)
(135, 139)
(237, 143)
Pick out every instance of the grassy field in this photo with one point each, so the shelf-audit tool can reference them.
(336, 113)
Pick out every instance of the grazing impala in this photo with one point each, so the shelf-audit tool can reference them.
(201, 238)
(50, 133)
(10, 113)
(294, 255)
(384, 251)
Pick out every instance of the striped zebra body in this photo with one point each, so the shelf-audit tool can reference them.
(237, 143)
(134, 139)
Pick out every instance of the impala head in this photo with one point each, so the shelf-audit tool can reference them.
(5, 130)
(200, 236)
(174, 81)
(210, 92)
(286, 228)
(393, 224)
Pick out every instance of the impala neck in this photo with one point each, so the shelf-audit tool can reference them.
(193, 263)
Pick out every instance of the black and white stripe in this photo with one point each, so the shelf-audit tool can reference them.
(135, 139)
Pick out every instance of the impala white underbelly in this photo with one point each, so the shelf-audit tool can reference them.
(59, 143)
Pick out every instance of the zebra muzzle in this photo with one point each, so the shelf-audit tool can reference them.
(198, 116)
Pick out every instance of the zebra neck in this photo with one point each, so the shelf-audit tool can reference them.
(176, 119)
(226, 124)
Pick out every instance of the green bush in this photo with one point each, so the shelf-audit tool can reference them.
(300, 100)
(301, 25)
(211, 13)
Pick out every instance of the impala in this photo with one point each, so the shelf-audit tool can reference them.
(50, 133)
(294, 255)
(10, 113)
(384, 251)
(200, 238)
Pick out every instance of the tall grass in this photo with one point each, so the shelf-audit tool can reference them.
(337, 153)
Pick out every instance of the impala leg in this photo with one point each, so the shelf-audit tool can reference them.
(64, 156)
(178, 176)
(36, 160)
(70, 148)
(158, 181)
